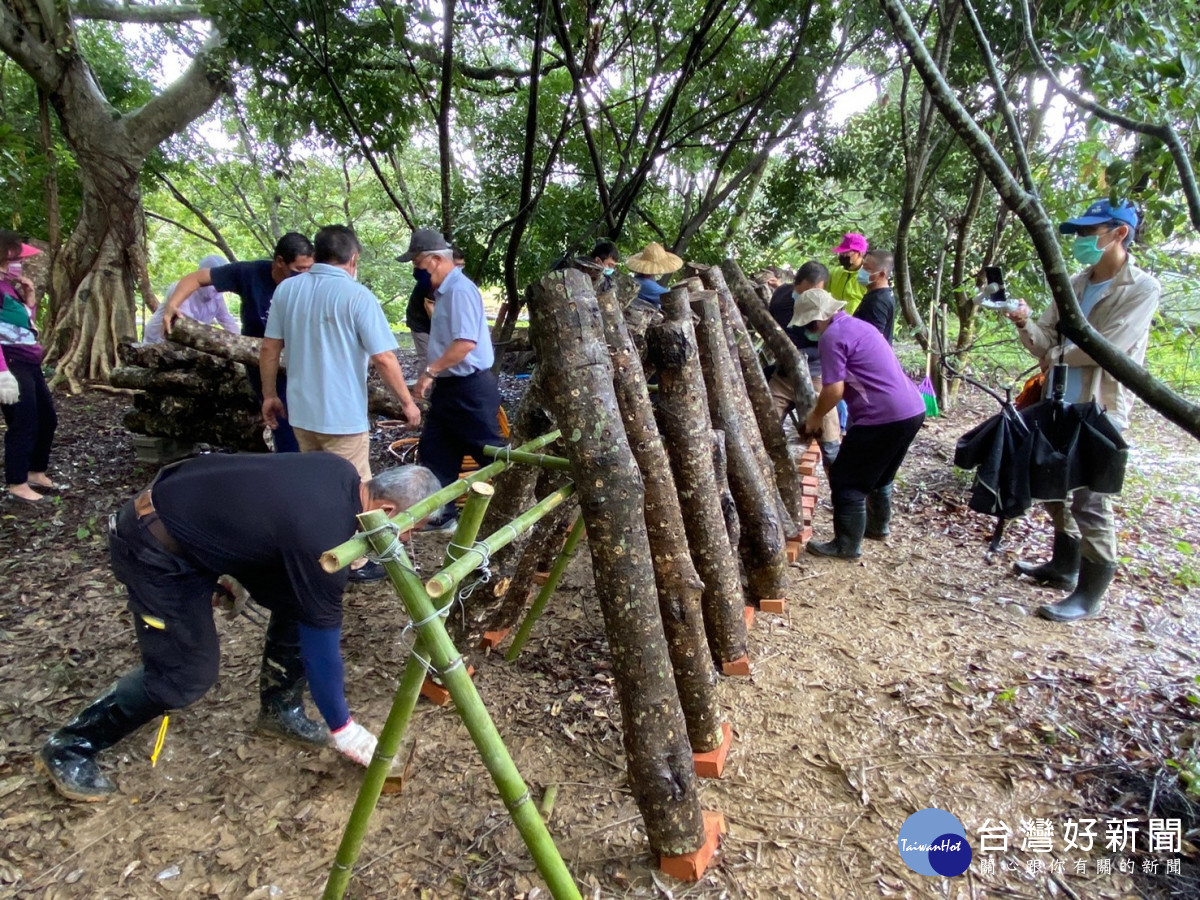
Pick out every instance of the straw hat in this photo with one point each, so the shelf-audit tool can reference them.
(814, 305)
(654, 260)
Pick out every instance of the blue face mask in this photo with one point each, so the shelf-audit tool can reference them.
(608, 270)
(864, 277)
(813, 336)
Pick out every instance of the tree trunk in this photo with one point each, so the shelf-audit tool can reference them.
(683, 418)
(570, 343)
(762, 544)
(733, 526)
(790, 363)
(770, 427)
(679, 587)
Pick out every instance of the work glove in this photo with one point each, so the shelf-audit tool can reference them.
(355, 743)
(9, 391)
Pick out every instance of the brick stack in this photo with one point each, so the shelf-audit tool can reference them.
(810, 461)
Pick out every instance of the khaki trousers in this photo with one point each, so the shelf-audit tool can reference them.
(353, 447)
(784, 398)
(1090, 520)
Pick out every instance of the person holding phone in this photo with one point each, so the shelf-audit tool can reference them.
(1118, 300)
(29, 414)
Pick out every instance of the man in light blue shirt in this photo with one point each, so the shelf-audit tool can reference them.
(331, 326)
(464, 407)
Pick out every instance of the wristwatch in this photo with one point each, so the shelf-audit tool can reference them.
(429, 372)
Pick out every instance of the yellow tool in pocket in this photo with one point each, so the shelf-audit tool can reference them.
(155, 622)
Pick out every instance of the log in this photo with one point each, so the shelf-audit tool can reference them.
(679, 587)
(763, 537)
(177, 381)
(165, 357)
(565, 323)
(770, 427)
(683, 418)
(790, 363)
(733, 527)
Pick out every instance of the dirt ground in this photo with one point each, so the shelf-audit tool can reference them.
(915, 677)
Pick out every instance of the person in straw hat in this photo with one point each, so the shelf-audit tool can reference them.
(653, 261)
(886, 412)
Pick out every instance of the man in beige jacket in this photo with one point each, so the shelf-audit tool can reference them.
(1119, 301)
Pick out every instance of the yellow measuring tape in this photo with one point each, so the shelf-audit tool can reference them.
(158, 741)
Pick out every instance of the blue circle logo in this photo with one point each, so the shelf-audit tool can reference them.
(934, 842)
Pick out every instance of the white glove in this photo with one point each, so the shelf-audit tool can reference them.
(9, 391)
(355, 743)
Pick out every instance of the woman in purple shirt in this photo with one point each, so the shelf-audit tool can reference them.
(886, 412)
(26, 402)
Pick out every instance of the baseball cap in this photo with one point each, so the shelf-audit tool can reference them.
(423, 240)
(852, 243)
(1100, 213)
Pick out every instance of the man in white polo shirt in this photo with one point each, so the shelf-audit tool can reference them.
(331, 326)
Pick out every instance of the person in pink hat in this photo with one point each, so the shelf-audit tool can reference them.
(29, 416)
(845, 281)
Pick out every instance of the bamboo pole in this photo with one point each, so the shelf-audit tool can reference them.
(343, 554)
(445, 581)
(404, 701)
(452, 669)
(543, 460)
(539, 603)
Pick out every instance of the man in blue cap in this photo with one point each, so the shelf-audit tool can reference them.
(1119, 300)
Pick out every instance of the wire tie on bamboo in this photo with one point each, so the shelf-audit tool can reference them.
(391, 553)
(484, 569)
(519, 802)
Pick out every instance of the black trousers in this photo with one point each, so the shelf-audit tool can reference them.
(30, 423)
(869, 458)
(463, 416)
(283, 436)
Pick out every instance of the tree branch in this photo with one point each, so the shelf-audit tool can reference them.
(217, 238)
(187, 98)
(112, 11)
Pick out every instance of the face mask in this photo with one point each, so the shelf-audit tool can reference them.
(14, 268)
(1085, 250)
(864, 277)
(844, 260)
(813, 336)
(795, 296)
(608, 270)
(423, 278)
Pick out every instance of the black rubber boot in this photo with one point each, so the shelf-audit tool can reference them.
(1062, 571)
(281, 684)
(879, 512)
(849, 523)
(1085, 600)
(68, 758)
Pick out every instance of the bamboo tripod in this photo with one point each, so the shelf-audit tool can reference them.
(434, 649)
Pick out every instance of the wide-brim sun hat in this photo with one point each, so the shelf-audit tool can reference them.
(654, 260)
(814, 305)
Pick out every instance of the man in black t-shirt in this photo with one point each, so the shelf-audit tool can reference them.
(878, 305)
(255, 282)
(264, 520)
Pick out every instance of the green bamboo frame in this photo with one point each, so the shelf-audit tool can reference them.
(433, 641)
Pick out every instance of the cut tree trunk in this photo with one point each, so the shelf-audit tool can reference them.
(770, 427)
(790, 363)
(570, 345)
(683, 418)
(763, 541)
(733, 527)
(679, 587)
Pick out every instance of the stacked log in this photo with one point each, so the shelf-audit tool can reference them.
(189, 396)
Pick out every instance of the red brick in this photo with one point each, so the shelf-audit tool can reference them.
(712, 763)
(692, 866)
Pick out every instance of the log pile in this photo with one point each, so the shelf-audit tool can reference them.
(193, 388)
(189, 396)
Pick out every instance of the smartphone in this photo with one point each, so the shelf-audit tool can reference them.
(995, 275)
